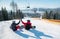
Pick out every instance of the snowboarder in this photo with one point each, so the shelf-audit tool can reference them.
(13, 25)
(27, 25)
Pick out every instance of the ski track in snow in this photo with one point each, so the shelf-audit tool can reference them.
(44, 30)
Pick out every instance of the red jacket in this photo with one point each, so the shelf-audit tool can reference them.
(26, 23)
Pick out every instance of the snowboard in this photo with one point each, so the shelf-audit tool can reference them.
(22, 26)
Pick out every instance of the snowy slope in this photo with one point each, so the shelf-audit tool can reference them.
(44, 30)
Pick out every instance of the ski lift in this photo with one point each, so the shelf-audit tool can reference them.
(28, 4)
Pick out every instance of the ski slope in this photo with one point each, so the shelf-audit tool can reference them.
(44, 30)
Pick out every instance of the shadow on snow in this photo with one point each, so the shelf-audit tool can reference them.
(38, 34)
(23, 35)
(35, 32)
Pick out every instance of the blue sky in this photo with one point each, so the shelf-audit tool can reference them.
(32, 3)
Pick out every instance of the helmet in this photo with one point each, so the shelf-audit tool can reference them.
(13, 21)
(28, 20)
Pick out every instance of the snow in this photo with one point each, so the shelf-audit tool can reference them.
(43, 30)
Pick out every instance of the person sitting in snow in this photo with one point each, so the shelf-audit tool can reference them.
(27, 25)
(13, 26)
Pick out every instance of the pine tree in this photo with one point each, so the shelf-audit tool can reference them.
(1, 16)
(19, 14)
(5, 14)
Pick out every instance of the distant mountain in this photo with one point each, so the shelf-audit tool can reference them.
(43, 9)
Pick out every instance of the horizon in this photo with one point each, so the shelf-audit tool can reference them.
(22, 4)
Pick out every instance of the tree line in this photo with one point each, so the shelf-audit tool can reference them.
(51, 15)
(9, 15)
